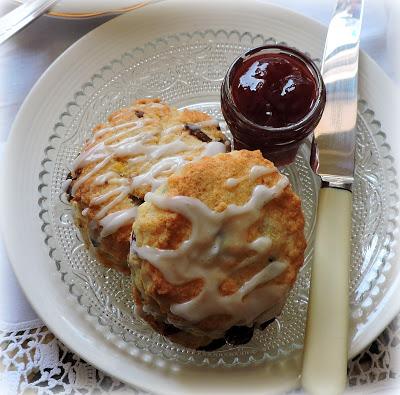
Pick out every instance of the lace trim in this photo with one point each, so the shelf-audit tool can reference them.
(377, 363)
(33, 359)
(20, 326)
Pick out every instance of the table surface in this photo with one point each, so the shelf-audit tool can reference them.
(27, 55)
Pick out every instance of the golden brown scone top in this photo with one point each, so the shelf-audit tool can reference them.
(157, 117)
(281, 220)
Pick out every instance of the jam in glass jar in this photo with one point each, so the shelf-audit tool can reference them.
(272, 98)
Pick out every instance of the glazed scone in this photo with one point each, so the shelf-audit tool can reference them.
(217, 246)
(127, 156)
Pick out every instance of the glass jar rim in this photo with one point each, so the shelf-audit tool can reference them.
(307, 61)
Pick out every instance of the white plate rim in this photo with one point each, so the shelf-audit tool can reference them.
(86, 8)
(17, 255)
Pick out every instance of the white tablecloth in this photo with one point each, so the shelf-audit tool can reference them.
(30, 356)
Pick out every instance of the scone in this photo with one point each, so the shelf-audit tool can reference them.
(127, 156)
(217, 247)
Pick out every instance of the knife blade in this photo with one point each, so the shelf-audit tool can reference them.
(334, 135)
(326, 341)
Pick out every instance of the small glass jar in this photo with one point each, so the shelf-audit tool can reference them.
(278, 144)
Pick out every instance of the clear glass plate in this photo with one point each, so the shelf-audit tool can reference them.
(186, 70)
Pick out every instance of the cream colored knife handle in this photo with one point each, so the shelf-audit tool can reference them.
(326, 342)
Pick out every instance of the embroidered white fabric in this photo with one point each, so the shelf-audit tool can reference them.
(32, 358)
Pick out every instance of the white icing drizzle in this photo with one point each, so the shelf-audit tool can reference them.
(170, 165)
(119, 181)
(104, 178)
(232, 182)
(134, 124)
(138, 159)
(169, 149)
(66, 184)
(104, 148)
(213, 148)
(122, 192)
(255, 172)
(172, 129)
(88, 175)
(202, 124)
(165, 165)
(114, 221)
(207, 123)
(150, 105)
(106, 196)
(129, 146)
(210, 302)
(137, 147)
(217, 239)
(258, 171)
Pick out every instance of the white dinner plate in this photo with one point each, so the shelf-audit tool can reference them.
(179, 51)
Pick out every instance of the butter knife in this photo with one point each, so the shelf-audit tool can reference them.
(326, 342)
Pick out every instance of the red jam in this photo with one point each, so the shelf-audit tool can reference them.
(272, 98)
(273, 89)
